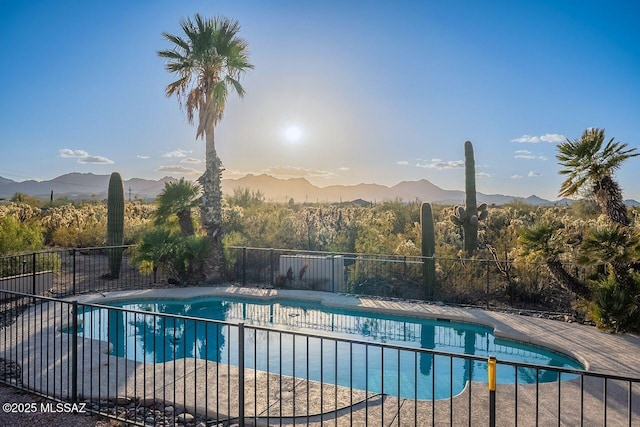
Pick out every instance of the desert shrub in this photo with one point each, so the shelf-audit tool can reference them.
(85, 225)
(87, 236)
(27, 199)
(17, 236)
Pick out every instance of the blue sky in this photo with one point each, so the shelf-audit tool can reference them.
(342, 92)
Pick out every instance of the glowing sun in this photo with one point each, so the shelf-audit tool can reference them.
(293, 134)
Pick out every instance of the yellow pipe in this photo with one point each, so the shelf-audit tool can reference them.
(491, 371)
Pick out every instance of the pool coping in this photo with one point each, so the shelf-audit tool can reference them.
(554, 335)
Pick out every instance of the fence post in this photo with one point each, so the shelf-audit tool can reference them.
(74, 353)
(241, 374)
(333, 273)
(271, 269)
(487, 268)
(33, 273)
(244, 266)
(73, 271)
(491, 373)
(404, 262)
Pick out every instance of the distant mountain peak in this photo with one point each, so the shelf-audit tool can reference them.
(84, 185)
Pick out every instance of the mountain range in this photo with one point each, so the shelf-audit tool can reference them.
(87, 185)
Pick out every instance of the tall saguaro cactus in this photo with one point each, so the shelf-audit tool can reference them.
(115, 223)
(468, 216)
(428, 249)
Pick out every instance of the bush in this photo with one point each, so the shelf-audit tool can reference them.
(614, 308)
(180, 258)
(17, 236)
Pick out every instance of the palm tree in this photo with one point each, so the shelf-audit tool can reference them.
(209, 62)
(589, 162)
(615, 246)
(542, 241)
(178, 198)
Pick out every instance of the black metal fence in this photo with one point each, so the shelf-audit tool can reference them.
(71, 271)
(159, 369)
(487, 283)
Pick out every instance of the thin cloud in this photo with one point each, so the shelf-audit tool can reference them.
(529, 155)
(526, 139)
(95, 160)
(66, 152)
(344, 168)
(534, 174)
(440, 164)
(177, 153)
(143, 157)
(483, 175)
(283, 172)
(179, 169)
(402, 163)
(516, 176)
(296, 172)
(84, 158)
(191, 160)
(552, 138)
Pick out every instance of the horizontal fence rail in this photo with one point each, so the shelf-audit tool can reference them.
(64, 272)
(149, 368)
(488, 283)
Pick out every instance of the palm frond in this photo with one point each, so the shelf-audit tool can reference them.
(210, 59)
(586, 161)
(178, 41)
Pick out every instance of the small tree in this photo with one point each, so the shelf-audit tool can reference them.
(178, 198)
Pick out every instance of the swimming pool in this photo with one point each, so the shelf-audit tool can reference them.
(362, 364)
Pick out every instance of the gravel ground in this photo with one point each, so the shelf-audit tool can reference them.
(39, 418)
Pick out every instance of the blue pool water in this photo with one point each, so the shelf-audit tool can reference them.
(409, 374)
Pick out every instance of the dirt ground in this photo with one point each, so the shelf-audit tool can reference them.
(9, 395)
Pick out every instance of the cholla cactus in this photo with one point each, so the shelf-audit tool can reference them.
(468, 216)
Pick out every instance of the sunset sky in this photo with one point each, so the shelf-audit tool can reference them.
(343, 92)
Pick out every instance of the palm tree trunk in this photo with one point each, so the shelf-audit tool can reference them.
(212, 208)
(609, 197)
(623, 275)
(566, 280)
(185, 220)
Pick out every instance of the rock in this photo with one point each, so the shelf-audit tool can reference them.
(145, 402)
(169, 409)
(121, 401)
(185, 417)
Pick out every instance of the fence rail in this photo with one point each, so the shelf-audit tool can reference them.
(489, 283)
(117, 361)
(74, 271)
(503, 284)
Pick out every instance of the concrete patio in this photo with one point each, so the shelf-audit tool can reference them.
(199, 386)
